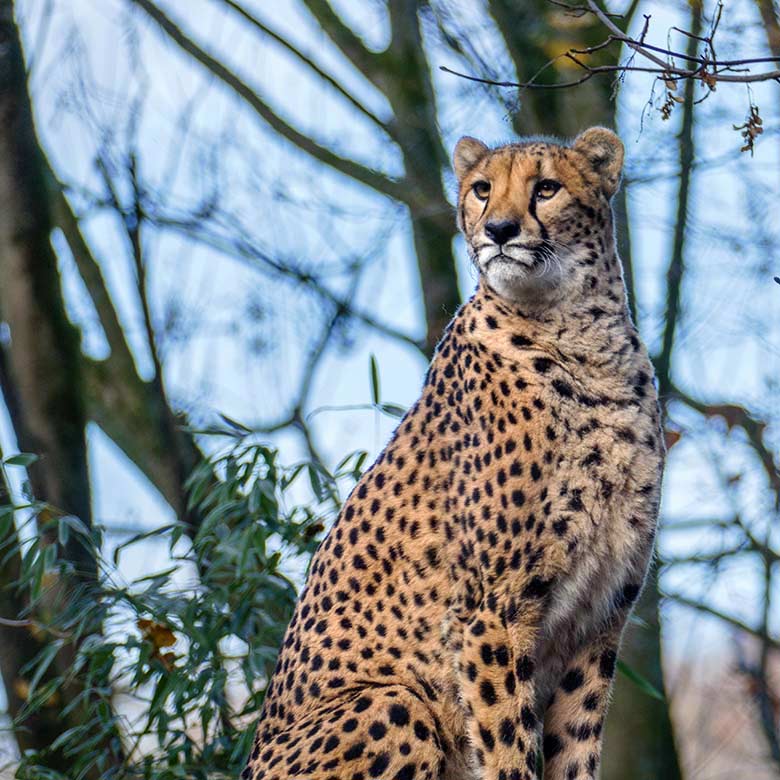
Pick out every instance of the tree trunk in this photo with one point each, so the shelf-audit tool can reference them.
(17, 643)
(41, 378)
(133, 413)
(408, 87)
(44, 354)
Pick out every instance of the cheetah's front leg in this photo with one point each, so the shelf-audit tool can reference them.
(574, 719)
(497, 679)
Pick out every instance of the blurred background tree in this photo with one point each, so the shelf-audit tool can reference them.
(223, 206)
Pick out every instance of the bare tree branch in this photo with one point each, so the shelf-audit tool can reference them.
(242, 249)
(736, 415)
(371, 178)
(367, 62)
(310, 63)
(707, 68)
(674, 273)
(92, 276)
(730, 620)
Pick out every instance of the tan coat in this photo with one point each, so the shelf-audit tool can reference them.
(470, 597)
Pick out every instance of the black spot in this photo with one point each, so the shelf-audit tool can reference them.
(381, 762)
(488, 692)
(518, 497)
(542, 365)
(355, 751)
(487, 738)
(377, 730)
(507, 732)
(627, 596)
(399, 715)
(528, 718)
(583, 733)
(537, 588)
(406, 772)
(525, 668)
(591, 702)
(562, 388)
(560, 526)
(492, 323)
(421, 731)
(607, 664)
(519, 340)
(551, 746)
(572, 680)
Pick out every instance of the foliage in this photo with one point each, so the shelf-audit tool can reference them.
(174, 672)
(177, 695)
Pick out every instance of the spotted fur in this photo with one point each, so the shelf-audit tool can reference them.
(465, 610)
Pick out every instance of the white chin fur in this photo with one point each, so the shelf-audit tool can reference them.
(519, 277)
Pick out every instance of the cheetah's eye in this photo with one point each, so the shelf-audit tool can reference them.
(546, 188)
(481, 189)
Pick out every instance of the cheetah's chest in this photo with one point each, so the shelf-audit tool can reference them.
(612, 532)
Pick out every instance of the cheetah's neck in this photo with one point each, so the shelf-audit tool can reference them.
(592, 335)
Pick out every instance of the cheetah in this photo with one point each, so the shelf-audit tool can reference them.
(465, 610)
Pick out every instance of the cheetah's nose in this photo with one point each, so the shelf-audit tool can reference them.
(501, 232)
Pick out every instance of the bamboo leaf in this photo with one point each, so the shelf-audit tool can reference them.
(374, 380)
(21, 459)
(640, 681)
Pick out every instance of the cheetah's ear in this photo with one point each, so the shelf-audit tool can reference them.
(468, 152)
(604, 151)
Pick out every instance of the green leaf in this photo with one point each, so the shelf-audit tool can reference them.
(6, 521)
(640, 622)
(374, 379)
(640, 681)
(237, 427)
(360, 462)
(21, 459)
(46, 657)
(164, 529)
(316, 482)
(66, 523)
(63, 532)
(392, 410)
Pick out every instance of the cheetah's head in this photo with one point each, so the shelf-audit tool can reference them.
(536, 215)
